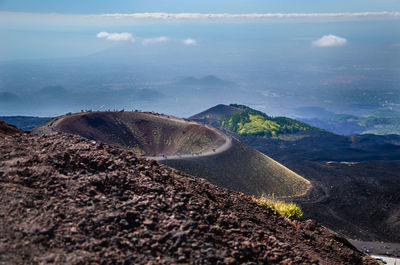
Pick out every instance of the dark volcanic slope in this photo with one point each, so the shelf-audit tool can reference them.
(245, 170)
(65, 199)
(7, 129)
(325, 146)
(356, 180)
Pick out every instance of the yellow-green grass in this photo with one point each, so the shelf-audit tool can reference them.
(255, 123)
(289, 210)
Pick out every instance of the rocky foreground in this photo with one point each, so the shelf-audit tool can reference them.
(64, 199)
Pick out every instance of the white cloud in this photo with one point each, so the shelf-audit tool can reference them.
(330, 41)
(154, 40)
(257, 16)
(124, 36)
(189, 41)
(116, 19)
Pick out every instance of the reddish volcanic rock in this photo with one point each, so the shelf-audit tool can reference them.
(65, 199)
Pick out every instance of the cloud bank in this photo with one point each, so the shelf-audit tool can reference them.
(124, 36)
(253, 16)
(189, 42)
(330, 41)
(115, 19)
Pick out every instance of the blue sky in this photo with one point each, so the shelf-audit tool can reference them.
(40, 29)
(203, 6)
(267, 45)
(36, 29)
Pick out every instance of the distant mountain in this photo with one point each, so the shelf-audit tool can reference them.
(242, 120)
(209, 80)
(7, 129)
(25, 123)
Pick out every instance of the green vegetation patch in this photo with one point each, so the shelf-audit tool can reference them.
(289, 210)
(256, 123)
(380, 123)
(374, 121)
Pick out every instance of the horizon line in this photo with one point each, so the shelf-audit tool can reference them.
(213, 17)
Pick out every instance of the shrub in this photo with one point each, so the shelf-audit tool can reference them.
(289, 210)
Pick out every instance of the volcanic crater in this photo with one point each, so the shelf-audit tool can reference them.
(192, 147)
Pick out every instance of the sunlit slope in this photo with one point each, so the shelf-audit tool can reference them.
(146, 133)
(242, 120)
(244, 169)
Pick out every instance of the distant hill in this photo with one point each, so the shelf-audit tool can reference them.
(190, 146)
(209, 80)
(345, 124)
(7, 129)
(243, 120)
(25, 123)
(381, 125)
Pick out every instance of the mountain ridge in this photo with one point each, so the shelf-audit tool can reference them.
(209, 80)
